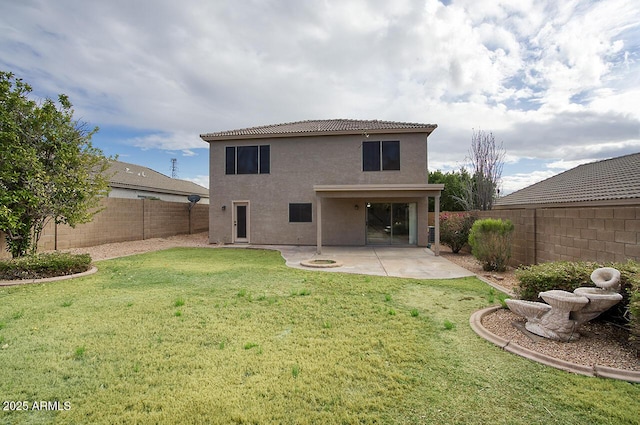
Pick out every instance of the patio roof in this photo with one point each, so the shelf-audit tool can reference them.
(378, 190)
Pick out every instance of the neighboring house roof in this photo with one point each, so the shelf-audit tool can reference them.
(136, 177)
(319, 128)
(612, 181)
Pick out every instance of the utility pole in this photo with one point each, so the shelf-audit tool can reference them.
(174, 168)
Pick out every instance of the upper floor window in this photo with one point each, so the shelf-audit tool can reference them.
(248, 159)
(378, 156)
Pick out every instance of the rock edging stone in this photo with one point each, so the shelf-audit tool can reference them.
(16, 282)
(594, 371)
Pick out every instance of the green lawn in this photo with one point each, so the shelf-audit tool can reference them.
(225, 336)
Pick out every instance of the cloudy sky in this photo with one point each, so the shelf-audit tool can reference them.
(557, 81)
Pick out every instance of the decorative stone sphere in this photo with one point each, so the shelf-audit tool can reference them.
(606, 278)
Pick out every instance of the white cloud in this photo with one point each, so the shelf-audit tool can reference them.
(608, 100)
(566, 165)
(521, 180)
(174, 141)
(201, 180)
(552, 80)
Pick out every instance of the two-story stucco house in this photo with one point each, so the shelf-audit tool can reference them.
(331, 182)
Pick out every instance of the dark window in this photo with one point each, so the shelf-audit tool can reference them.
(371, 156)
(248, 159)
(378, 156)
(391, 155)
(241, 221)
(265, 159)
(230, 160)
(300, 213)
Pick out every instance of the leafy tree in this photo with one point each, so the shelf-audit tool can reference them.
(455, 184)
(487, 160)
(49, 169)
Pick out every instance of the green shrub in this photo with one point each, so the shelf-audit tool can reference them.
(455, 228)
(44, 265)
(490, 241)
(563, 275)
(634, 319)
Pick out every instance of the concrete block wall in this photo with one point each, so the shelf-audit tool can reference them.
(162, 219)
(124, 220)
(524, 233)
(121, 220)
(199, 218)
(592, 234)
(602, 234)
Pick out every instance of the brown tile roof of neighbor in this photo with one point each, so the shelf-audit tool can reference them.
(320, 127)
(615, 180)
(132, 176)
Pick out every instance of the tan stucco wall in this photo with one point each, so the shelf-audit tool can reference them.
(297, 164)
(343, 224)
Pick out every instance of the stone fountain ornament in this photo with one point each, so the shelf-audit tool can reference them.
(563, 313)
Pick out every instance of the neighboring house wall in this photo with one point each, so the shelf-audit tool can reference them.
(124, 220)
(589, 233)
(117, 192)
(297, 164)
(134, 181)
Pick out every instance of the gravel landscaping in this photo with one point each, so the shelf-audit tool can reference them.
(600, 343)
(506, 280)
(122, 249)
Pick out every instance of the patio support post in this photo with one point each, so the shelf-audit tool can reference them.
(318, 224)
(437, 224)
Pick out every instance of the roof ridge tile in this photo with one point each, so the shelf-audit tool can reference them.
(307, 127)
(607, 179)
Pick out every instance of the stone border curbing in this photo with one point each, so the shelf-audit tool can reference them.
(594, 371)
(496, 286)
(16, 282)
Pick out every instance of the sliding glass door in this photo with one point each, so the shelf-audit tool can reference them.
(392, 224)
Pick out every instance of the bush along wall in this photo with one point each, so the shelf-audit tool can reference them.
(568, 276)
(490, 241)
(634, 309)
(44, 265)
(455, 228)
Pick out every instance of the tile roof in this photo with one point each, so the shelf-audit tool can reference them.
(132, 176)
(607, 180)
(320, 127)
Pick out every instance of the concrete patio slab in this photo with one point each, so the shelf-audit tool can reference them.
(411, 262)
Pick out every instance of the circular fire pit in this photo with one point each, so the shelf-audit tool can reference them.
(321, 263)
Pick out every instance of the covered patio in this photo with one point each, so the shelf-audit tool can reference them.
(365, 193)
